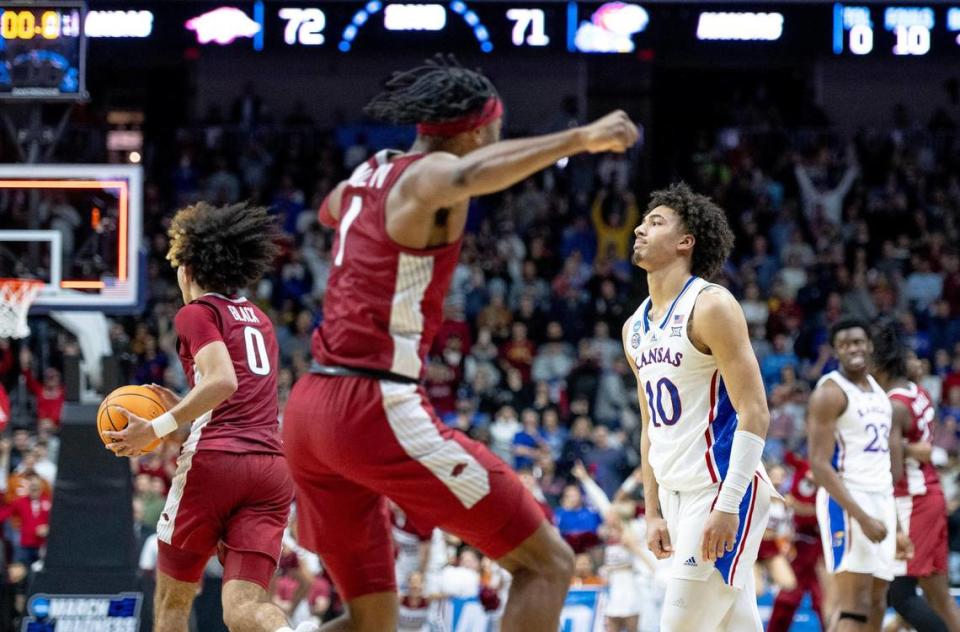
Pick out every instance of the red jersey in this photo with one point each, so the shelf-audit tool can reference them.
(248, 420)
(383, 305)
(804, 492)
(918, 478)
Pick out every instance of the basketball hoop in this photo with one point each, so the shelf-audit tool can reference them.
(16, 295)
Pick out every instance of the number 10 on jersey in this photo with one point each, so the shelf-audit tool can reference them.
(659, 407)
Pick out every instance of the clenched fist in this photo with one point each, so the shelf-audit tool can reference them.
(614, 132)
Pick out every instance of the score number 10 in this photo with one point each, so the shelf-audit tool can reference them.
(910, 26)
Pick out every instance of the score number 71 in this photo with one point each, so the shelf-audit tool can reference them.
(532, 19)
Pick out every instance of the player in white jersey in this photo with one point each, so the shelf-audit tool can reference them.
(705, 417)
(848, 428)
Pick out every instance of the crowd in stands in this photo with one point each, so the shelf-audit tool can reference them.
(529, 358)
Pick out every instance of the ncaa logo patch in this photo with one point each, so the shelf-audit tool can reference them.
(636, 326)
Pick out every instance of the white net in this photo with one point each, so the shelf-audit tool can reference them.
(16, 295)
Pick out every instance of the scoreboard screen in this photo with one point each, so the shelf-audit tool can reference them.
(649, 29)
(902, 30)
(42, 50)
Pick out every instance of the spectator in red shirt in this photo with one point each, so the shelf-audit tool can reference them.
(4, 408)
(50, 393)
(951, 283)
(33, 510)
(6, 357)
(952, 380)
(518, 352)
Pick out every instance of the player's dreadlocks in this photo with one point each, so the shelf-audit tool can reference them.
(225, 248)
(889, 351)
(705, 220)
(439, 90)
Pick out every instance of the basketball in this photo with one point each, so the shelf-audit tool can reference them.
(139, 400)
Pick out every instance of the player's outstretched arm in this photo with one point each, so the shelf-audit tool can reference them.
(827, 403)
(719, 324)
(658, 537)
(441, 180)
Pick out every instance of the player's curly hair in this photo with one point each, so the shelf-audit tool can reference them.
(439, 90)
(702, 218)
(889, 350)
(225, 248)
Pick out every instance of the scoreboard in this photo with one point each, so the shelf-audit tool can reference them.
(42, 50)
(42, 44)
(807, 28)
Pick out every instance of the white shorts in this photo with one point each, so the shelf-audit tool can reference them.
(845, 547)
(686, 515)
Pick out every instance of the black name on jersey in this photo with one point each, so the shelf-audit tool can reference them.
(243, 314)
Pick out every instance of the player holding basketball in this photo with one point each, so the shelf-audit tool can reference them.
(705, 417)
(848, 433)
(921, 505)
(232, 491)
(360, 429)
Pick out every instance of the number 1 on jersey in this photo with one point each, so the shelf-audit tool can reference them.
(355, 205)
(656, 406)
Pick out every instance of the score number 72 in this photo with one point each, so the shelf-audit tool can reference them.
(304, 26)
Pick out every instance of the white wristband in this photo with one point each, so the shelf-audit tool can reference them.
(745, 455)
(164, 425)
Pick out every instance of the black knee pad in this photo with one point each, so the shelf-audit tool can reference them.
(855, 616)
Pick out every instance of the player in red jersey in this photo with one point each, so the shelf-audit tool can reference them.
(232, 491)
(360, 429)
(921, 505)
(808, 551)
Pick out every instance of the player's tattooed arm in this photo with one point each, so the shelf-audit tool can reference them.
(827, 403)
(899, 423)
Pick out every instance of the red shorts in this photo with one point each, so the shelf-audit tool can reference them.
(924, 518)
(769, 549)
(233, 504)
(354, 442)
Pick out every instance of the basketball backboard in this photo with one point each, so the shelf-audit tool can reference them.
(77, 228)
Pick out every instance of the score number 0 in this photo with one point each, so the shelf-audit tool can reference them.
(532, 19)
(304, 26)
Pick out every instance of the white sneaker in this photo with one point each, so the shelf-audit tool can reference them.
(307, 626)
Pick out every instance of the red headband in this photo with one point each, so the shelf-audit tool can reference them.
(490, 111)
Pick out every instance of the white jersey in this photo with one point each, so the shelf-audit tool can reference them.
(692, 420)
(862, 452)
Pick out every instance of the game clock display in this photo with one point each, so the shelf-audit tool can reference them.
(42, 50)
